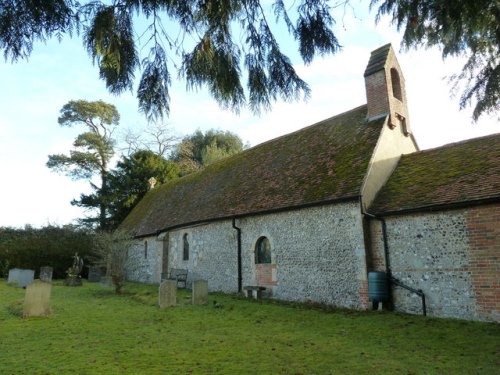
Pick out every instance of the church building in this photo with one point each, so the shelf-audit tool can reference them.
(321, 213)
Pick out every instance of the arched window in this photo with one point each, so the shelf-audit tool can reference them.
(396, 84)
(145, 249)
(262, 251)
(185, 252)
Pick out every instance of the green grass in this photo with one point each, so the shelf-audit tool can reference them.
(93, 331)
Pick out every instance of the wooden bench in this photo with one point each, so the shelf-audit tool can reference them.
(254, 291)
(180, 275)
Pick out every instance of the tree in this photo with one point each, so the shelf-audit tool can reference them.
(130, 181)
(201, 149)
(214, 60)
(468, 27)
(92, 152)
(156, 137)
(111, 251)
(216, 43)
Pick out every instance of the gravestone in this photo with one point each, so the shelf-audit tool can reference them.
(200, 292)
(167, 294)
(37, 299)
(94, 274)
(21, 277)
(46, 274)
(13, 275)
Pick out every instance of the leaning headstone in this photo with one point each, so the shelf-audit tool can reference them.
(25, 278)
(200, 292)
(167, 295)
(13, 276)
(37, 299)
(46, 274)
(94, 274)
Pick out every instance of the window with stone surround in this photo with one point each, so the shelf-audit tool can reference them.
(185, 247)
(262, 251)
(145, 249)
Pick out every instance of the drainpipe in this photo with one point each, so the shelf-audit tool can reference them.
(240, 278)
(391, 278)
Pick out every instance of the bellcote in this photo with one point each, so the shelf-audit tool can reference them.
(385, 89)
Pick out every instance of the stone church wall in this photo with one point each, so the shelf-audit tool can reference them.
(212, 254)
(453, 256)
(318, 253)
(144, 261)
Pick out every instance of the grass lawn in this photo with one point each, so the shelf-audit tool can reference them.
(93, 331)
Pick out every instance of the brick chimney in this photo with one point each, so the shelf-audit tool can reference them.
(385, 89)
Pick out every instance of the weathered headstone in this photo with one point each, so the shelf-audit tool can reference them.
(200, 292)
(37, 299)
(13, 275)
(167, 293)
(94, 274)
(46, 274)
(21, 277)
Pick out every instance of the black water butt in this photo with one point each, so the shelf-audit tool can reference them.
(378, 287)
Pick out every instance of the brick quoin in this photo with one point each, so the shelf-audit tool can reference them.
(363, 294)
(483, 231)
(376, 247)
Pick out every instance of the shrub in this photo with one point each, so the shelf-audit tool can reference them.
(48, 246)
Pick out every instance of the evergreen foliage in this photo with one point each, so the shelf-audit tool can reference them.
(215, 59)
(91, 155)
(129, 181)
(219, 44)
(48, 246)
(124, 186)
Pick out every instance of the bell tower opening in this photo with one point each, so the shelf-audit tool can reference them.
(396, 85)
(385, 90)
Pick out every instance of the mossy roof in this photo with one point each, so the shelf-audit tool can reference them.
(320, 163)
(458, 173)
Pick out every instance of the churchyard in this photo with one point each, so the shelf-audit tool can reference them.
(91, 330)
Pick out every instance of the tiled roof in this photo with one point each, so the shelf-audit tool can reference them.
(458, 173)
(320, 163)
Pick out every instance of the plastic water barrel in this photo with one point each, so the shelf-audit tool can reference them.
(378, 290)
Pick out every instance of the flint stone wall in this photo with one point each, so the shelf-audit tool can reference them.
(318, 252)
(212, 255)
(145, 265)
(430, 252)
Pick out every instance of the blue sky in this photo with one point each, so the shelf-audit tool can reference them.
(33, 92)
